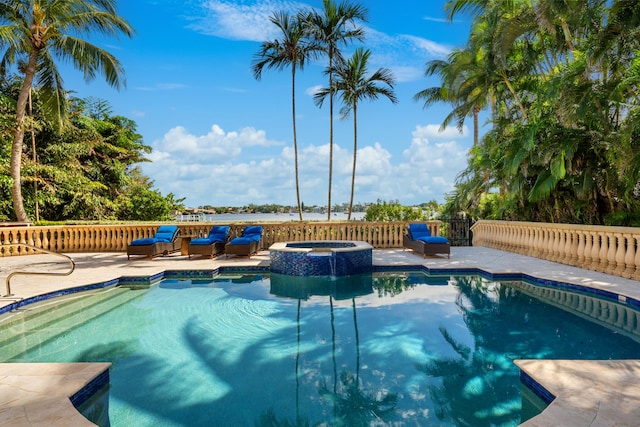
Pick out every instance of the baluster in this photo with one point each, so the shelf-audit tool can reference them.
(611, 253)
(636, 274)
(579, 261)
(630, 256)
(618, 262)
(571, 247)
(568, 246)
(588, 247)
(595, 251)
(45, 238)
(531, 241)
(536, 243)
(558, 245)
(604, 250)
(550, 242)
(512, 241)
(523, 239)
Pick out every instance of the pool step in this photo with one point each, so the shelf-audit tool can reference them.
(31, 327)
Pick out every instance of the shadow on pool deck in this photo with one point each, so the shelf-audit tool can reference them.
(606, 393)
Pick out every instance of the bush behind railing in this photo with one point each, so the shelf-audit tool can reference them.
(116, 237)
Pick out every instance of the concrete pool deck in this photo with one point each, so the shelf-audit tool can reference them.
(603, 393)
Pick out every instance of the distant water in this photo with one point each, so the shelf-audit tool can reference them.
(268, 217)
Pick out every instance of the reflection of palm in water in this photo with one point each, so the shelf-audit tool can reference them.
(465, 387)
(355, 407)
(351, 405)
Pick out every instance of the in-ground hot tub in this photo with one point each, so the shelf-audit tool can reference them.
(321, 258)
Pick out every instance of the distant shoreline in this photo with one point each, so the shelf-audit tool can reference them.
(268, 217)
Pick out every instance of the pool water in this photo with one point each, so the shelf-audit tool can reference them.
(399, 348)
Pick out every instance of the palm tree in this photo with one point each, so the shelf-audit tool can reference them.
(39, 31)
(354, 85)
(336, 25)
(292, 49)
(463, 85)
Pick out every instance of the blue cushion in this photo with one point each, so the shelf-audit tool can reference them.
(417, 231)
(242, 241)
(252, 230)
(144, 242)
(218, 233)
(221, 230)
(419, 236)
(203, 241)
(166, 233)
(433, 239)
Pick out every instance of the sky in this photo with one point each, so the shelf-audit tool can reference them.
(222, 138)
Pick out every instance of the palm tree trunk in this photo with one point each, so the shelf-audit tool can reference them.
(298, 368)
(516, 97)
(355, 325)
(295, 136)
(330, 132)
(35, 161)
(18, 140)
(355, 152)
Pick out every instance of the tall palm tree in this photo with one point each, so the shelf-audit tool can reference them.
(334, 26)
(354, 85)
(292, 49)
(41, 30)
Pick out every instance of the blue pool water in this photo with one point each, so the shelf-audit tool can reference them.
(399, 348)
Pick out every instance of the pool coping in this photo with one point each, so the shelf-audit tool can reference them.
(39, 393)
(603, 374)
(581, 399)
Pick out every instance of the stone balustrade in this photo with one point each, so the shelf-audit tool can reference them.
(611, 250)
(115, 238)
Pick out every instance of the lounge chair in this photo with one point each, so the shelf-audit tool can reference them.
(211, 245)
(246, 245)
(419, 239)
(165, 241)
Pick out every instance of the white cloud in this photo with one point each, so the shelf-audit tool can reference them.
(429, 170)
(436, 131)
(311, 91)
(215, 145)
(236, 21)
(431, 48)
(407, 73)
(405, 55)
(222, 168)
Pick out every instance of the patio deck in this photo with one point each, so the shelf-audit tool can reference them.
(587, 392)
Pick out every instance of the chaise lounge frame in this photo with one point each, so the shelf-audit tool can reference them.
(244, 249)
(426, 249)
(156, 249)
(211, 249)
(247, 249)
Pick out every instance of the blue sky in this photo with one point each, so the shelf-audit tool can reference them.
(220, 137)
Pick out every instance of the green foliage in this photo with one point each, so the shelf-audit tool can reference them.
(392, 211)
(143, 204)
(561, 81)
(84, 171)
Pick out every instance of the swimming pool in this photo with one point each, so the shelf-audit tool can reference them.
(399, 348)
